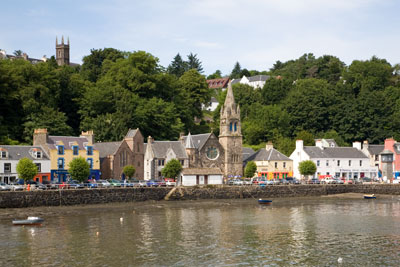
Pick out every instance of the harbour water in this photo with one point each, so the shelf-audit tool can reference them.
(318, 231)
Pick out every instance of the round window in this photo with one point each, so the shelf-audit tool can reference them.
(212, 152)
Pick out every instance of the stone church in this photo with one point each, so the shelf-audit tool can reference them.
(205, 158)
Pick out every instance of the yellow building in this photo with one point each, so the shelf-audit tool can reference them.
(63, 149)
(271, 163)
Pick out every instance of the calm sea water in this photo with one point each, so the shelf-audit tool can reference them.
(297, 231)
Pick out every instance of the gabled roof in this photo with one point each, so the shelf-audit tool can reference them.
(268, 155)
(189, 142)
(107, 148)
(375, 149)
(67, 141)
(199, 140)
(19, 152)
(160, 148)
(131, 133)
(201, 171)
(334, 152)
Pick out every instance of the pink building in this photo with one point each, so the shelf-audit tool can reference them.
(394, 146)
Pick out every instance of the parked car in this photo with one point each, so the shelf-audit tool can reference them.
(16, 187)
(161, 183)
(103, 183)
(114, 182)
(314, 181)
(74, 184)
(5, 187)
(236, 182)
(259, 180)
(152, 183)
(328, 181)
(170, 182)
(247, 181)
(90, 184)
(292, 180)
(40, 186)
(142, 183)
(128, 183)
(338, 181)
(284, 181)
(350, 181)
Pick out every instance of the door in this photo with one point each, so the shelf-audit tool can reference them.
(201, 179)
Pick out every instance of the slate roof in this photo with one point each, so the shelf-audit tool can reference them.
(334, 152)
(19, 152)
(199, 140)
(67, 140)
(234, 81)
(201, 171)
(268, 155)
(131, 133)
(256, 78)
(375, 149)
(247, 152)
(160, 148)
(107, 148)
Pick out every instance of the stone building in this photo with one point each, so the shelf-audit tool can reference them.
(114, 156)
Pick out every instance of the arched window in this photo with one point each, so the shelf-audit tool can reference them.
(230, 126)
(235, 126)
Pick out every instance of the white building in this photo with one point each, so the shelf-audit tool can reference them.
(10, 156)
(339, 162)
(257, 81)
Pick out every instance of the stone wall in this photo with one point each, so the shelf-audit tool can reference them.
(98, 196)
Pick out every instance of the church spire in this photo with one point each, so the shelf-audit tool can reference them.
(189, 141)
(230, 99)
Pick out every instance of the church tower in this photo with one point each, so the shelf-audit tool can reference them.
(230, 135)
(62, 52)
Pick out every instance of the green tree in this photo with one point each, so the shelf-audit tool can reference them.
(79, 169)
(307, 167)
(177, 66)
(93, 63)
(129, 170)
(26, 169)
(235, 74)
(250, 169)
(172, 169)
(194, 63)
(216, 75)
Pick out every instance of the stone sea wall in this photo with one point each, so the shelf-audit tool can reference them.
(24, 199)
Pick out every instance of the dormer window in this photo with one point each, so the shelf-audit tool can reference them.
(60, 150)
(38, 154)
(75, 150)
(89, 150)
(3, 154)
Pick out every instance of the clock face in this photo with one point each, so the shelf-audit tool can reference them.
(212, 152)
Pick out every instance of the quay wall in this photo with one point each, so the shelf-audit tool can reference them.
(23, 199)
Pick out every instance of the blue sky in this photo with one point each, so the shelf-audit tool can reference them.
(256, 33)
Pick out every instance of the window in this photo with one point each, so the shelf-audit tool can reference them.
(284, 165)
(276, 165)
(75, 150)
(90, 150)
(90, 161)
(327, 162)
(60, 163)
(230, 126)
(3, 154)
(376, 157)
(349, 162)
(318, 163)
(182, 162)
(235, 126)
(38, 154)
(7, 167)
(360, 163)
(39, 167)
(160, 162)
(138, 148)
(338, 162)
(60, 150)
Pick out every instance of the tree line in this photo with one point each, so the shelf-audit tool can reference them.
(113, 91)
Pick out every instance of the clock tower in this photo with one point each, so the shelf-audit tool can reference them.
(230, 135)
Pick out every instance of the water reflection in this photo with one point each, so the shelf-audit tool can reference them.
(306, 232)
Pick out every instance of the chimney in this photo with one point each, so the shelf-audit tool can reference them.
(89, 136)
(318, 143)
(40, 137)
(269, 146)
(150, 140)
(299, 145)
(357, 145)
(25, 56)
(365, 144)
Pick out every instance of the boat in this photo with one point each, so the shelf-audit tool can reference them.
(370, 196)
(29, 221)
(264, 201)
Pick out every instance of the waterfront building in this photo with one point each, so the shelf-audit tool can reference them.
(63, 149)
(201, 151)
(271, 163)
(257, 81)
(373, 153)
(10, 156)
(114, 156)
(339, 162)
(393, 146)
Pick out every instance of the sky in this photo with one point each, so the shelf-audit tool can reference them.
(255, 33)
